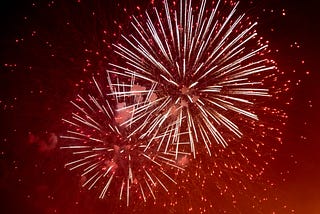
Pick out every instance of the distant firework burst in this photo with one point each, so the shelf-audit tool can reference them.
(108, 160)
(204, 66)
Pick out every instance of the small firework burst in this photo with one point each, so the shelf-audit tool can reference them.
(204, 67)
(107, 158)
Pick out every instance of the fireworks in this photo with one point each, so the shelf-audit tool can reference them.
(101, 149)
(182, 79)
(203, 67)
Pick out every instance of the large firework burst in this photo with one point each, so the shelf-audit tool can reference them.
(108, 159)
(203, 65)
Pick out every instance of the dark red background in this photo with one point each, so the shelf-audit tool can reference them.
(34, 100)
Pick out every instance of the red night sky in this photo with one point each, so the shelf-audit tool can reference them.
(49, 49)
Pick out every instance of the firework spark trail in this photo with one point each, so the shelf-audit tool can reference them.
(102, 151)
(201, 65)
